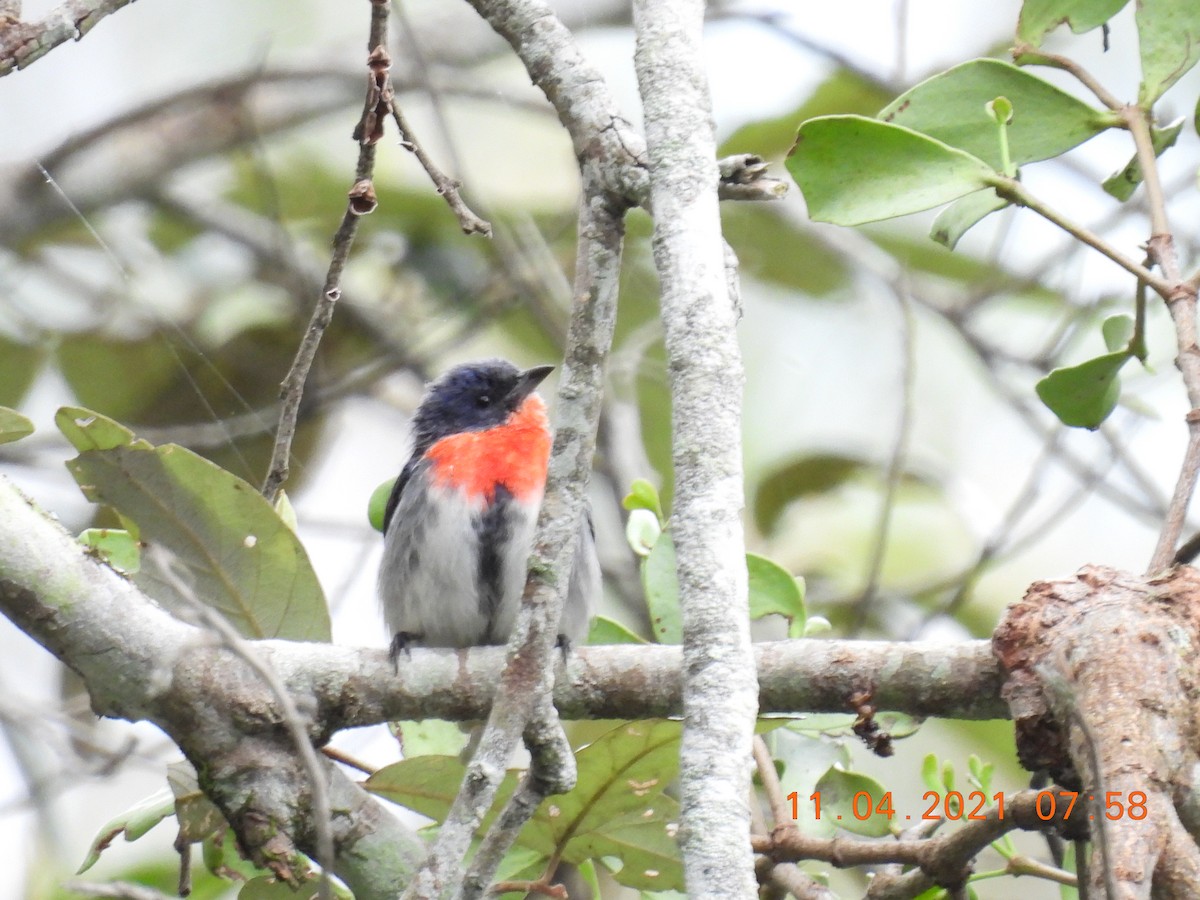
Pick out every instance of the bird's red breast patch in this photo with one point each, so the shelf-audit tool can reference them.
(515, 455)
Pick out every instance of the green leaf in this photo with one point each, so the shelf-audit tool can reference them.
(428, 784)
(87, 430)
(1169, 42)
(604, 630)
(1083, 396)
(930, 774)
(377, 505)
(429, 737)
(774, 590)
(1123, 183)
(13, 425)
(854, 170)
(803, 476)
(953, 107)
(115, 546)
(199, 819)
(963, 214)
(618, 808)
(224, 539)
(851, 800)
(133, 823)
(1117, 331)
(661, 585)
(643, 495)
(616, 811)
(265, 887)
(19, 365)
(1038, 17)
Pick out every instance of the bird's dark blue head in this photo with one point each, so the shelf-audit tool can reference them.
(473, 397)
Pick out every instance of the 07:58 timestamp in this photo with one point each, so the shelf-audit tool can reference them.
(954, 806)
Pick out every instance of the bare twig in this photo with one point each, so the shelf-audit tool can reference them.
(22, 43)
(1012, 190)
(1025, 54)
(446, 186)
(362, 201)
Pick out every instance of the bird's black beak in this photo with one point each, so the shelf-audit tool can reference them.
(527, 383)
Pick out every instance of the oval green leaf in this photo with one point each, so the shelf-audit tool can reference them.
(855, 802)
(1169, 42)
(852, 170)
(963, 214)
(953, 107)
(774, 590)
(115, 546)
(223, 539)
(661, 585)
(1038, 17)
(1083, 396)
(13, 425)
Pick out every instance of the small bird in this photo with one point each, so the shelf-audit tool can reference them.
(458, 526)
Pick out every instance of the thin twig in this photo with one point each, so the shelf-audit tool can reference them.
(1025, 54)
(446, 186)
(22, 43)
(1012, 190)
(362, 201)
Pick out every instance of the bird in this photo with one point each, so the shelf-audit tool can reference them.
(459, 523)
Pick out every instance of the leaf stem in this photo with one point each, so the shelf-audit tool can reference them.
(1028, 54)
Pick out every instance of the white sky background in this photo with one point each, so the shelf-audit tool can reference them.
(153, 47)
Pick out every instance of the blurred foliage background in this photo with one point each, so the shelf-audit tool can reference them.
(168, 190)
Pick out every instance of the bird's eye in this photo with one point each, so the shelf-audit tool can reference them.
(483, 400)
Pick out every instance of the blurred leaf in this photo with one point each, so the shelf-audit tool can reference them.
(429, 737)
(1169, 42)
(1039, 17)
(133, 823)
(952, 107)
(377, 505)
(13, 425)
(931, 774)
(802, 476)
(198, 817)
(935, 259)
(227, 540)
(774, 590)
(115, 546)
(604, 630)
(662, 591)
(1122, 184)
(773, 248)
(1083, 396)
(1117, 331)
(119, 378)
(854, 170)
(221, 858)
(843, 91)
(851, 800)
(963, 214)
(19, 365)
(265, 887)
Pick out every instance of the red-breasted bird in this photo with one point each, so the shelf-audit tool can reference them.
(458, 526)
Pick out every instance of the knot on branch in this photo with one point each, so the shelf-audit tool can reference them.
(1102, 675)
